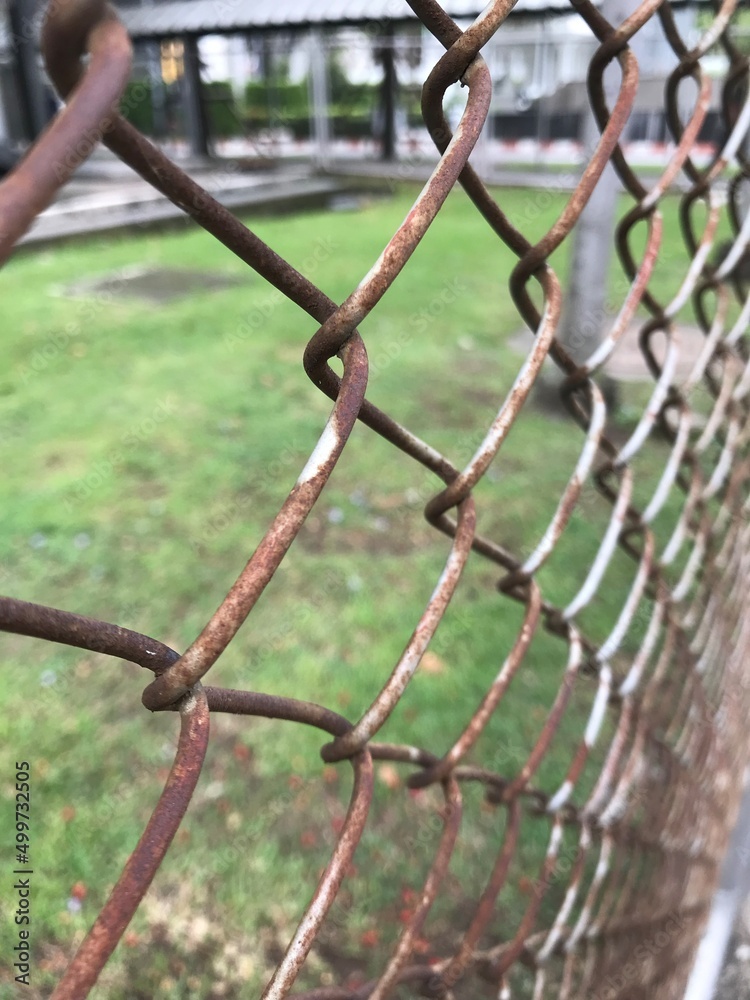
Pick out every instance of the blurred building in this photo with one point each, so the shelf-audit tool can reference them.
(539, 76)
(195, 58)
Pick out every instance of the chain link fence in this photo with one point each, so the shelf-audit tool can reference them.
(622, 893)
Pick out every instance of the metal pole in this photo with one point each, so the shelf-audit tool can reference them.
(152, 52)
(388, 94)
(585, 308)
(158, 93)
(319, 99)
(197, 124)
(733, 889)
(26, 69)
(591, 257)
(734, 885)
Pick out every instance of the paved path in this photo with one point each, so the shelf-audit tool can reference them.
(106, 196)
(562, 179)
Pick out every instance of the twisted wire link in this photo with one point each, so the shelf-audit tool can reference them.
(669, 718)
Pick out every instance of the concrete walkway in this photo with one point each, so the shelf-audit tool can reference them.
(541, 177)
(105, 196)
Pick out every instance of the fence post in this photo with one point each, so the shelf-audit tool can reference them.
(319, 97)
(195, 110)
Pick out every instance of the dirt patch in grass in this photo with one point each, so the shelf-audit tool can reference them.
(155, 285)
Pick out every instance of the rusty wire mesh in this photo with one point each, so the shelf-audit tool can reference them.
(670, 717)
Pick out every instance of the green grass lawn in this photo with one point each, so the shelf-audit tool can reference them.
(144, 451)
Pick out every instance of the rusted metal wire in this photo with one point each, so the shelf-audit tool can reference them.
(652, 831)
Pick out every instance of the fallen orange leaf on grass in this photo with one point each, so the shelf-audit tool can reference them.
(369, 939)
(432, 663)
(390, 777)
